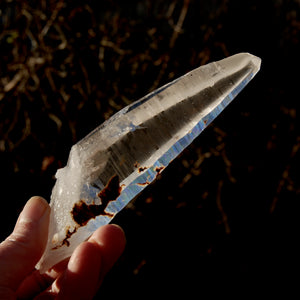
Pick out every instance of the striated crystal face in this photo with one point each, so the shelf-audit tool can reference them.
(117, 160)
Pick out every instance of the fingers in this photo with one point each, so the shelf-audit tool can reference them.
(111, 241)
(89, 263)
(22, 249)
(79, 281)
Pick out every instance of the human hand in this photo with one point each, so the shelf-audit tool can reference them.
(78, 278)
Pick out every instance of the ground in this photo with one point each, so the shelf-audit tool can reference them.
(224, 215)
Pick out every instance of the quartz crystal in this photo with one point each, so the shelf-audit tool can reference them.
(116, 161)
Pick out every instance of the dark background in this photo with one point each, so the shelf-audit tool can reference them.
(223, 217)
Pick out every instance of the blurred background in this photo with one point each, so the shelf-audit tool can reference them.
(223, 217)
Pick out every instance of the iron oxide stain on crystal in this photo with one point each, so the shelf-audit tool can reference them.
(83, 212)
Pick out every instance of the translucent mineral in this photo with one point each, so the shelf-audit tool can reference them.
(116, 161)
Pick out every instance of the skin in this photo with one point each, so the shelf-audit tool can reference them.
(76, 278)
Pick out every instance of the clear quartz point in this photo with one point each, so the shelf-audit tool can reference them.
(116, 161)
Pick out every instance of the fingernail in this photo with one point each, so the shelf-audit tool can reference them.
(34, 209)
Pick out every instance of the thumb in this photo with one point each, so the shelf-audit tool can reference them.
(22, 249)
